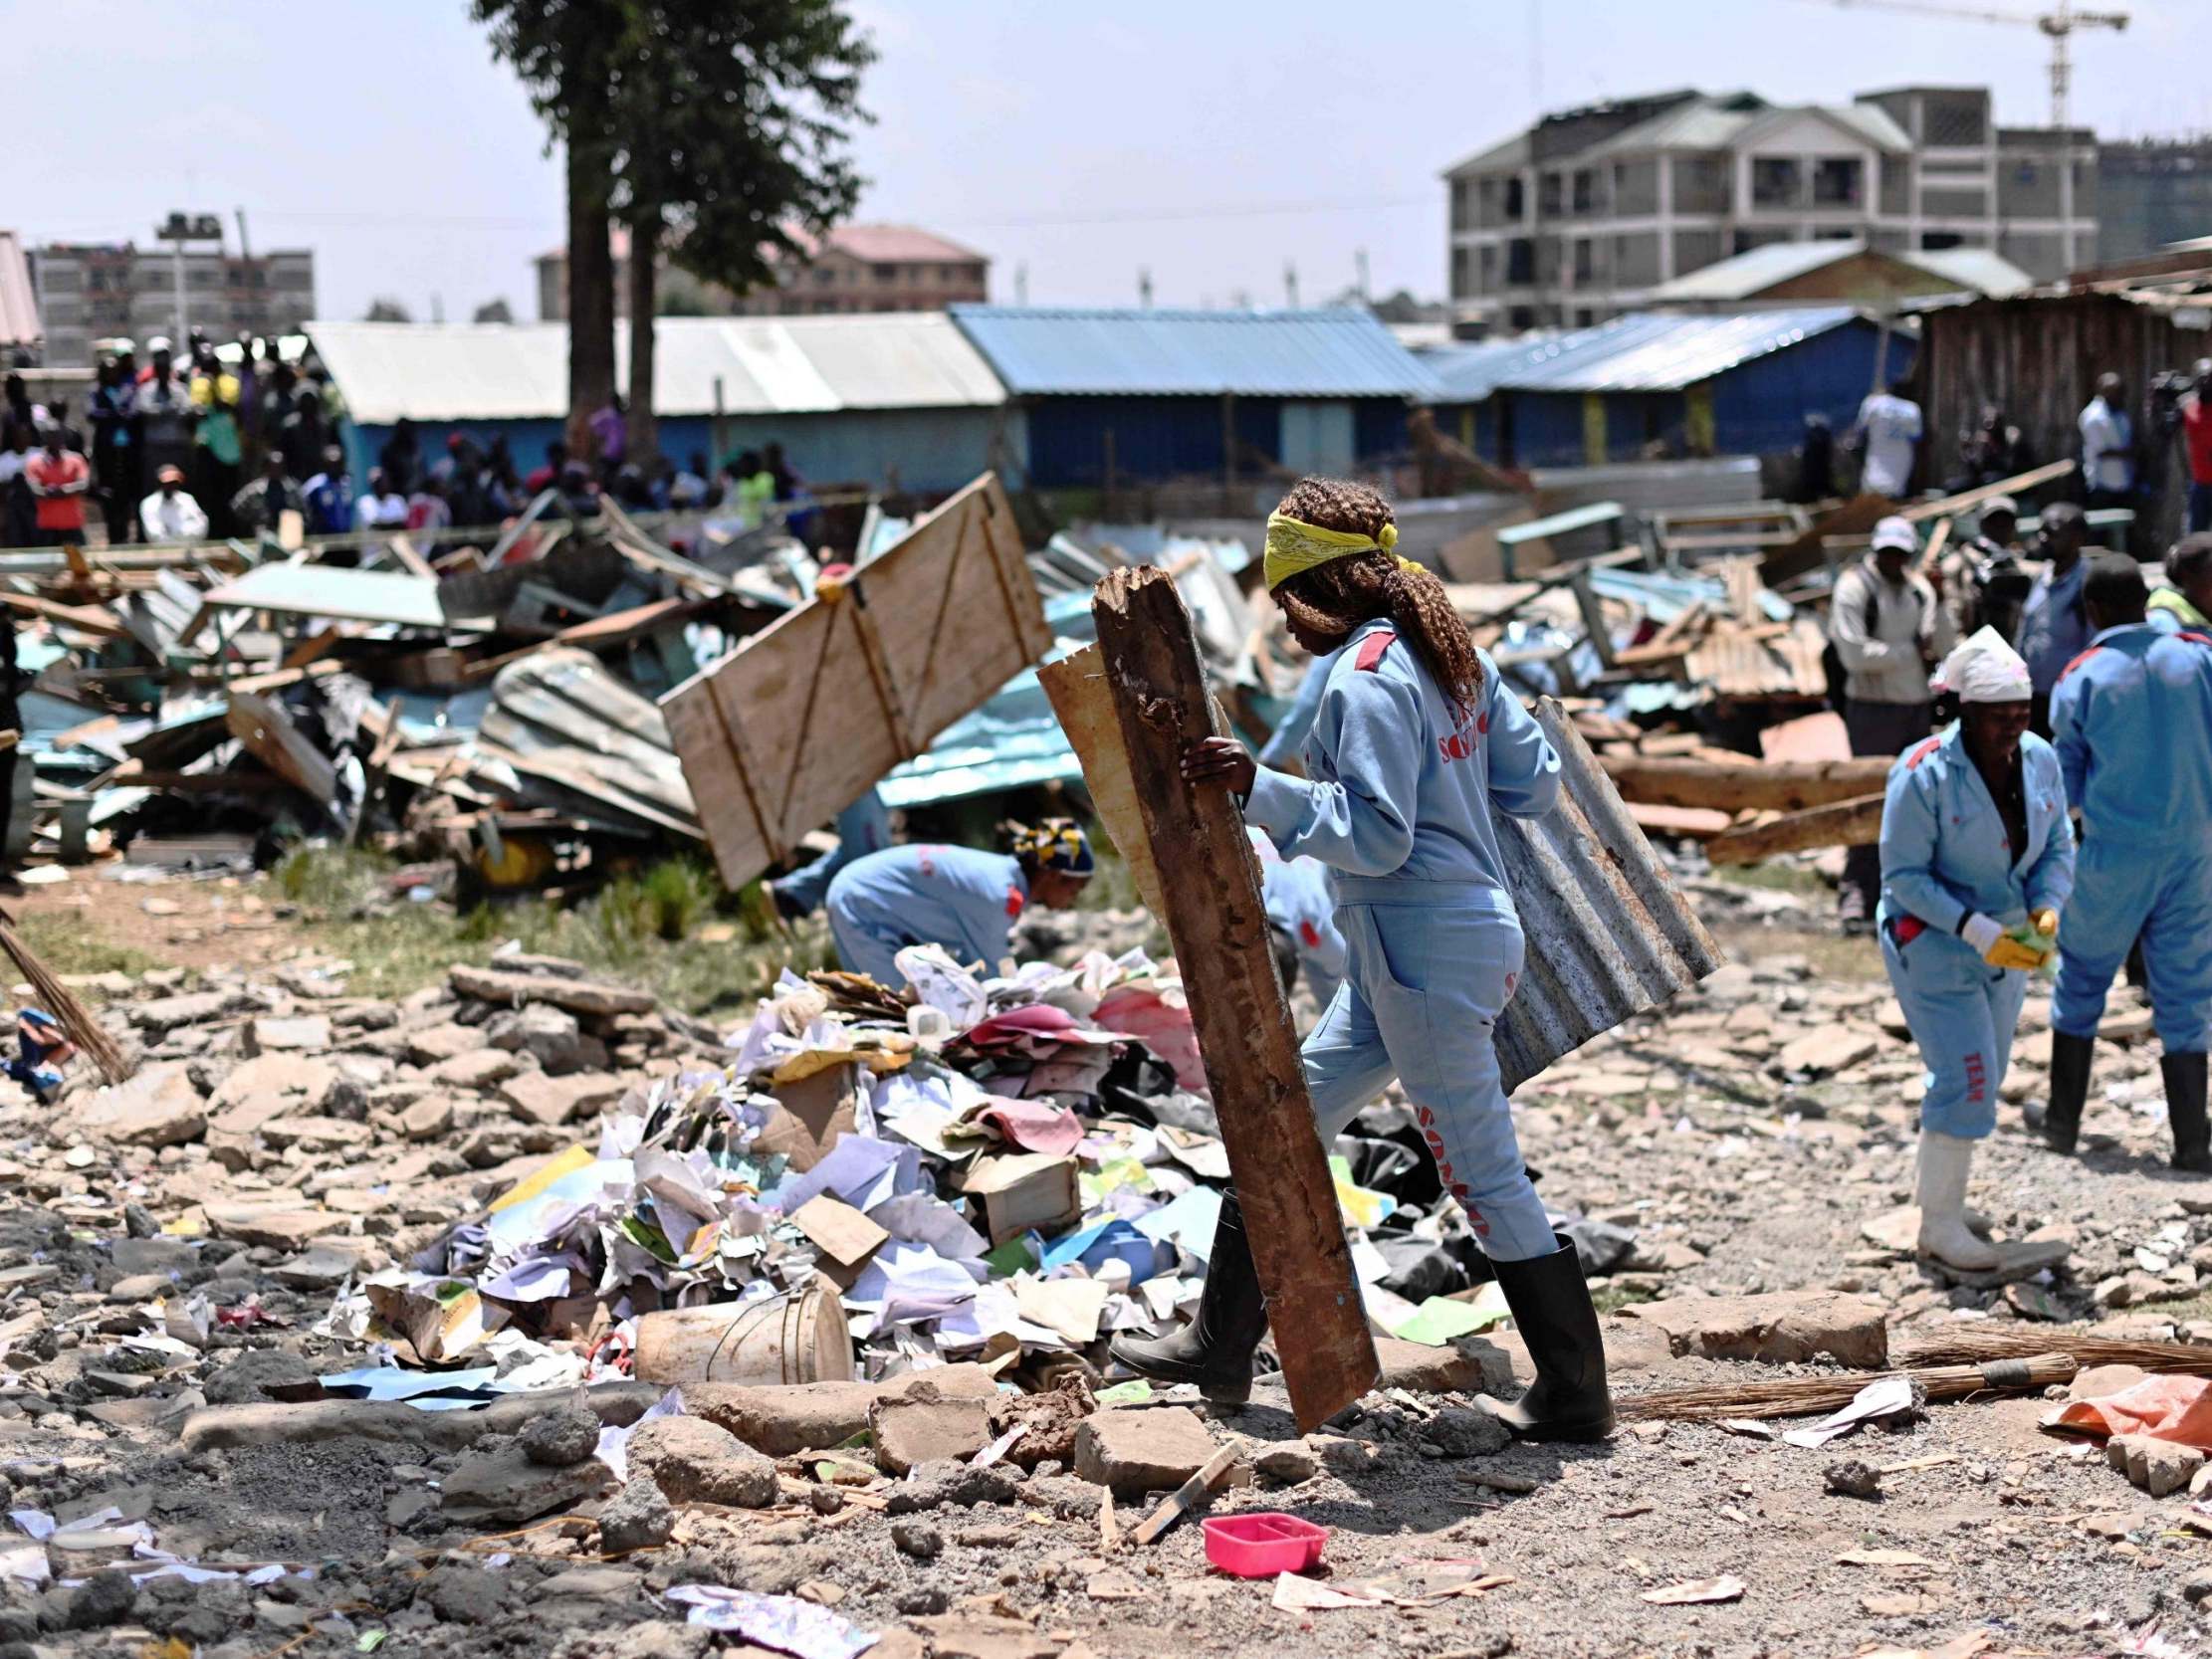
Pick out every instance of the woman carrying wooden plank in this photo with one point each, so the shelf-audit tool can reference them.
(1977, 860)
(1416, 743)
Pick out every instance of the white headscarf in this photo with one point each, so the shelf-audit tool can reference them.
(1984, 669)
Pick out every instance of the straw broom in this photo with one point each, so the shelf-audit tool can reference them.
(1973, 1344)
(1807, 1396)
(72, 1015)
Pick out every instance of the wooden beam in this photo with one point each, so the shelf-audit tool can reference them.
(1772, 786)
(269, 734)
(1209, 881)
(2016, 485)
(1076, 687)
(1851, 823)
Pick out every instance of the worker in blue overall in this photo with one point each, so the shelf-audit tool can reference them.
(1977, 860)
(862, 828)
(1415, 744)
(2132, 718)
(965, 899)
(1301, 914)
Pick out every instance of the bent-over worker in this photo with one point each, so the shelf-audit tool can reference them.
(1301, 914)
(2183, 602)
(2133, 723)
(965, 899)
(1977, 860)
(862, 828)
(1417, 744)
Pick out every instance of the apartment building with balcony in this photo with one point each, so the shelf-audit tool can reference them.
(1584, 215)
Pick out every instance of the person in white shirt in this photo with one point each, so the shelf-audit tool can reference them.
(169, 514)
(380, 507)
(1889, 629)
(1888, 431)
(2108, 444)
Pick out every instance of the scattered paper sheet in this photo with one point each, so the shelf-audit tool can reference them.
(1726, 1588)
(1884, 1397)
(782, 1622)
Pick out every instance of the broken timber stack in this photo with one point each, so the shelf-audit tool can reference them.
(1210, 886)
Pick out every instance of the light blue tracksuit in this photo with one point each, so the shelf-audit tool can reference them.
(955, 897)
(2132, 722)
(1297, 892)
(1289, 738)
(1945, 855)
(2054, 626)
(1397, 801)
(862, 828)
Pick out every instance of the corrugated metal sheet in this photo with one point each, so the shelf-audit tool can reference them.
(1609, 932)
(1651, 352)
(1984, 270)
(766, 366)
(1756, 270)
(1341, 351)
(1470, 371)
(19, 303)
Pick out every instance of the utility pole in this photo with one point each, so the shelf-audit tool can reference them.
(1359, 262)
(1021, 283)
(177, 230)
(1290, 283)
(1144, 288)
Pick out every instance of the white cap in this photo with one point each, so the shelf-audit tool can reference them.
(157, 344)
(1984, 669)
(1898, 533)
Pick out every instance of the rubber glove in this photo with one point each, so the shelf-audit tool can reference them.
(2009, 953)
(2044, 922)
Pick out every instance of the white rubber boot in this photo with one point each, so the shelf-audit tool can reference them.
(1945, 1161)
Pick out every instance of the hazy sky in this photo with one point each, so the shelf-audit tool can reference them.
(1210, 142)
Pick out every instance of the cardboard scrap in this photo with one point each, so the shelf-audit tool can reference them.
(839, 1231)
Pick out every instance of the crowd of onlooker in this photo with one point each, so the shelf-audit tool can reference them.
(223, 442)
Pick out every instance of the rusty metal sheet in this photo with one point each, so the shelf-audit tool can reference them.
(1609, 934)
(1731, 666)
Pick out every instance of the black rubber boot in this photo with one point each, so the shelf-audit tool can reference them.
(1554, 1314)
(1214, 1350)
(2070, 1087)
(2192, 1138)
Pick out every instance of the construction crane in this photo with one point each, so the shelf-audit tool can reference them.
(2059, 23)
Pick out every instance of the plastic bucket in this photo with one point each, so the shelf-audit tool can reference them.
(797, 1336)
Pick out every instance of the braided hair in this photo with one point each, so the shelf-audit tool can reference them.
(1332, 599)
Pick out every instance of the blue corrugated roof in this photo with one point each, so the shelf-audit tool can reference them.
(1471, 370)
(1341, 351)
(1657, 352)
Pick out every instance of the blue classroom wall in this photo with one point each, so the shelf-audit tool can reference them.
(1159, 438)
(927, 449)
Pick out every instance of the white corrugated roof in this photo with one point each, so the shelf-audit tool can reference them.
(1984, 270)
(1751, 273)
(767, 366)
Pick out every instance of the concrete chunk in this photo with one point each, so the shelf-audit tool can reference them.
(308, 1033)
(478, 1067)
(1781, 1328)
(1145, 1449)
(811, 1416)
(158, 1108)
(693, 1461)
(578, 996)
(551, 1101)
(505, 1485)
(923, 1425)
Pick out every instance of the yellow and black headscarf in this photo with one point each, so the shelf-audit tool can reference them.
(1056, 844)
(1294, 545)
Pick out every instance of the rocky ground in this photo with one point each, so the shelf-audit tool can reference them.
(167, 1251)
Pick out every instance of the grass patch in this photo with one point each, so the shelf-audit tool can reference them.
(1611, 1299)
(670, 930)
(1832, 954)
(67, 946)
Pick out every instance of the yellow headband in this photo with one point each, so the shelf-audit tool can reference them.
(1294, 545)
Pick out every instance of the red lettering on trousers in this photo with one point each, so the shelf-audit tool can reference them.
(1424, 1116)
(1977, 1078)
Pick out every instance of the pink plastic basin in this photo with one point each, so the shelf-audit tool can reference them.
(1264, 1543)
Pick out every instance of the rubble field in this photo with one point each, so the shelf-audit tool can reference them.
(325, 1334)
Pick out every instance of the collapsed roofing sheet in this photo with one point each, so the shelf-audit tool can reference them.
(766, 367)
(1339, 351)
(331, 590)
(1653, 351)
(1470, 371)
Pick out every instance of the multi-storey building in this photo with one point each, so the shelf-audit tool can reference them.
(854, 267)
(1581, 216)
(2152, 192)
(91, 290)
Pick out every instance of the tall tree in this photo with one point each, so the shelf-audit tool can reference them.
(493, 311)
(565, 53)
(732, 125)
(717, 133)
(384, 309)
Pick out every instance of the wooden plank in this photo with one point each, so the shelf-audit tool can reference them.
(2016, 485)
(1695, 823)
(781, 734)
(1851, 823)
(1076, 687)
(1213, 912)
(410, 562)
(88, 619)
(1186, 1496)
(1777, 786)
(269, 734)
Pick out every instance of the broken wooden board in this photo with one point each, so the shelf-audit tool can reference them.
(805, 717)
(1609, 934)
(1851, 823)
(269, 736)
(1779, 785)
(1084, 703)
(1212, 909)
